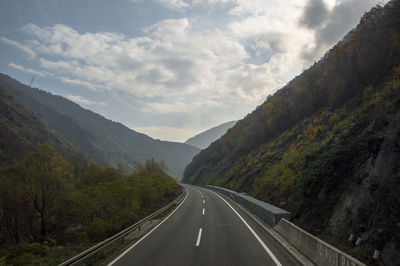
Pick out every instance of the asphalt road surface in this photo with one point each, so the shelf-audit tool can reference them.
(206, 229)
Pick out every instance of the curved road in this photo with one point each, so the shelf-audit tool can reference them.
(206, 229)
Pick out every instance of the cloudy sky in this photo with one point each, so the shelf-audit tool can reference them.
(169, 68)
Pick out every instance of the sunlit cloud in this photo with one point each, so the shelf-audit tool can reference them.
(175, 134)
(88, 85)
(83, 100)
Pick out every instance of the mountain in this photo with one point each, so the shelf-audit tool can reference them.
(326, 146)
(101, 140)
(204, 139)
(22, 131)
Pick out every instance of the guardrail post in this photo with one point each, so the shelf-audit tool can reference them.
(376, 254)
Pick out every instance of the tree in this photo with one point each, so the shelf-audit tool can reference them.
(44, 176)
(12, 203)
(80, 166)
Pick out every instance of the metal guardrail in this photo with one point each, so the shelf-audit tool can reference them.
(98, 247)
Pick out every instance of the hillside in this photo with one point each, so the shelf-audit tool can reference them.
(103, 141)
(22, 131)
(326, 146)
(54, 203)
(204, 139)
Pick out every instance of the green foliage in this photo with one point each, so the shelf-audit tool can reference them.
(151, 182)
(46, 175)
(321, 162)
(43, 198)
(324, 170)
(279, 179)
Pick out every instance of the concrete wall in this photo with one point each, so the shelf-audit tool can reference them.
(316, 250)
(227, 192)
(266, 212)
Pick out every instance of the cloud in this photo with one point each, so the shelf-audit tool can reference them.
(174, 133)
(182, 5)
(81, 83)
(19, 46)
(179, 107)
(274, 40)
(198, 69)
(174, 4)
(252, 81)
(271, 8)
(29, 70)
(60, 65)
(329, 25)
(165, 108)
(210, 5)
(178, 67)
(64, 41)
(315, 12)
(83, 100)
(169, 59)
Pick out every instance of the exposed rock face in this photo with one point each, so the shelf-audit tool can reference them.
(371, 209)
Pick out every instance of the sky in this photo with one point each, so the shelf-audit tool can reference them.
(169, 68)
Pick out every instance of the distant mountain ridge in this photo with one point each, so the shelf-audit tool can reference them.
(102, 140)
(205, 138)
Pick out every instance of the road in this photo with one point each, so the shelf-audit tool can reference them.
(206, 229)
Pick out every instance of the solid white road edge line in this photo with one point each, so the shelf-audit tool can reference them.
(277, 262)
(146, 235)
(199, 237)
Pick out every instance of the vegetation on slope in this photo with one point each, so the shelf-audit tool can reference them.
(325, 152)
(325, 146)
(101, 140)
(365, 57)
(50, 208)
(21, 132)
(54, 202)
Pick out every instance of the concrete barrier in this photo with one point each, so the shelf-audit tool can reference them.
(316, 250)
(227, 192)
(266, 212)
